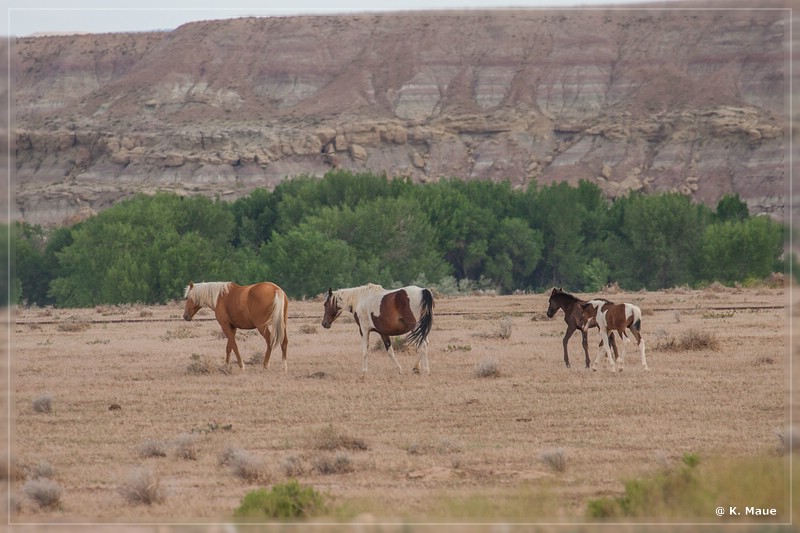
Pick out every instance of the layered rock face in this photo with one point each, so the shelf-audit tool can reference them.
(655, 100)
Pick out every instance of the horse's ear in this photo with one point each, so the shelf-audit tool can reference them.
(191, 284)
(330, 291)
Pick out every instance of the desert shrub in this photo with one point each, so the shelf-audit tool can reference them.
(44, 491)
(328, 438)
(143, 487)
(555, 459)
(292, 466)
(691, 340)
(504, 328)
(308, 329)
(200, 364)
(333, 464)
(73, 325)
(43, 403)
(283, 501)
(486, 369)
(152, 448)
(186, 446)
(242, 464)
(694, 487)
(42, 470)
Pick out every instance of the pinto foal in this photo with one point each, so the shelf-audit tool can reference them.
(619, 318)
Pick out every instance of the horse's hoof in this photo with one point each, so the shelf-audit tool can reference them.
(415, 370)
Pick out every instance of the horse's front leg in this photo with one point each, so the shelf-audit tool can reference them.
(364, 350)
(231, 333)
(387, 343)
(565, 341)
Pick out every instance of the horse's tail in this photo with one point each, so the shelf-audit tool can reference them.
(278, 320)
(637, 318)
(423, 326)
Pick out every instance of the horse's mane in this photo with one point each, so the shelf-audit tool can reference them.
(567, 295)
(349, 297)
(207, 293)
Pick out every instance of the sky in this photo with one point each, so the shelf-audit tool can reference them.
(33, 17)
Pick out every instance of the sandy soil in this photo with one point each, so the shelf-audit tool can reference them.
(431, 439)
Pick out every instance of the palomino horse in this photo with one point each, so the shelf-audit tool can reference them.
(256, 306)
(389, 313)
(573, 316)
(617, 318)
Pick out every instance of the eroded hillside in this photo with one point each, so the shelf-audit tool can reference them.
(654, 100)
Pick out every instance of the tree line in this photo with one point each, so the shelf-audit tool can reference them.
(347, 229)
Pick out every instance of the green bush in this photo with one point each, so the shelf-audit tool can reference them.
(287, 500)
(694, 489)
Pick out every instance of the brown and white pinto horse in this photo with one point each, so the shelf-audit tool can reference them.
(573, 316)
(387, 312)
(263, 306)
(619, 318)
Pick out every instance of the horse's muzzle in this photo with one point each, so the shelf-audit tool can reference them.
(549, 314)
(326, 325)
(187, 317)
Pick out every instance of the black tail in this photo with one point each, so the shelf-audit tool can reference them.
(425, 322)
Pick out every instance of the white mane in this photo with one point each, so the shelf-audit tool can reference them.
(207, 293)
(347, 298)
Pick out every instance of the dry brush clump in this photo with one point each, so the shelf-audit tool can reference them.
(43, 403)
(73, 325)
(201, 365)
(690, 340)
(292, 466)
(44, 491)
(486, 369)
(555, 459)
(328, 438)
(143, 487)
(243, 464)
(186, 447)
(153, 448)
(339, 463)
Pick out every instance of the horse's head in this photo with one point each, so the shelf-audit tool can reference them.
(190, 308)
(333, 309)
(554, 306)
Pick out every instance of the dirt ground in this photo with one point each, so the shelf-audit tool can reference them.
(120, 377)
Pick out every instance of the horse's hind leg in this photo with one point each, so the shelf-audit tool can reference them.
(387, 343)
(268, 352)
(585, 344)
(640, 341)
(423, 356)
(284, 348)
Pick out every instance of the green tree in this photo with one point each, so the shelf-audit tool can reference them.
(736, 250)
(143, 250)
(462, 227)
(305, 262)
(514, 251)
(656, 240)
(560, 212)
(731, 207)
(394, 233)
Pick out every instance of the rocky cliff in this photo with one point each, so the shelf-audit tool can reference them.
(656, 100)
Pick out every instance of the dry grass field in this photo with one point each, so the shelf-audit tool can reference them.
(500, 431)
